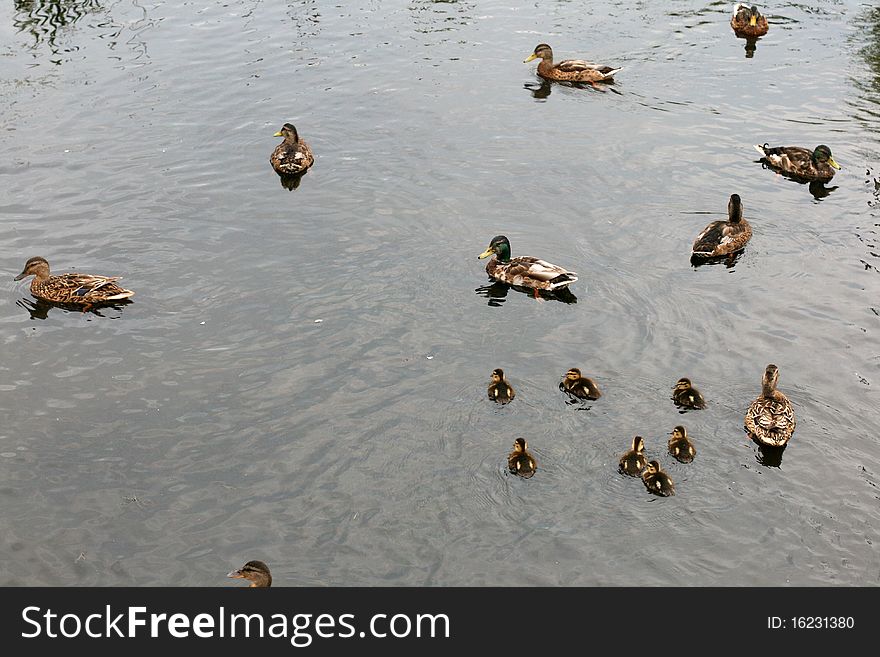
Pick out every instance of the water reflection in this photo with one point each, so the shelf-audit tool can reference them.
(818, 189)
(290, 181)
(39, 308)
(44, 19)
(496, 293)
(541, 90)
(728, 260)
(769, 456)
(751, 46)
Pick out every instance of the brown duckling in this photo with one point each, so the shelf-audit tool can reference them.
(520, 461)
(293, 155)
(580, 386)
(84, 290)
(686, 396)
(256, 572)
(680, 446)
(569, 70)
(770, 419)
(500, 389)
(633, 462)
(657, 481)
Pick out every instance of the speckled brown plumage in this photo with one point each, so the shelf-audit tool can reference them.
(770, 418)
(743, 24)
(721, 238)
(293, 155)
(71, 288)
(570, 70)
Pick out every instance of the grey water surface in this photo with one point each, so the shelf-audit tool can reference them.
(301, 377)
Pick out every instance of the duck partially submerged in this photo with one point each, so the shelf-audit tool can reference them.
(500, 389)
(747, 21)
(256, 572)
(293, 155)
(770, 418)
(800, 163)
(570, 70)
(524, 271)
(577, 385)
(85, 290)
(520, 461)
(723, 238)
(633, 461)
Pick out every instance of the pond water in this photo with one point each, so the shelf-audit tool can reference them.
(301, 377)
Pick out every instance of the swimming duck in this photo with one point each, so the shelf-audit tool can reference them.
(293, 155)
(256, 572)
(657, 481)
(680, 445)
(721, 238)
(570, 70)
(500, 389)
(748, 21)
(800, 163)
(770, 419)
(579, 386)
(84, 290)
(524, 271)
(685, 395)
(520, 461)
(634, 461)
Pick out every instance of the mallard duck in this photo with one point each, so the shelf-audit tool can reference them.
(633, 462)
(520, 461)
(680, 446)
(570, 70)
(524, 271)
(579, 386)
(748, 21)
(500, 389)
(84, 290)
(721, 238)
(770, 419)
(657, 481)
(256, 572)
(293, 155)
(801, 163)
(685, 395)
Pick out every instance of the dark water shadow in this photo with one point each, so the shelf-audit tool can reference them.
(496, 293)
(770, 457)
(751, 43)
(290, 181)
(39, 308)
(45, 20)
(729, 260)
(818, 189)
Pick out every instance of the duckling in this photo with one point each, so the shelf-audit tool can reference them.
(633, 462)
(770, 419)
(256, 572)
(84, 290)
(570, 70)
(721, 238)
(800, 163)
(680, 445)
(657, 481)
(520, 461)
(500, 389)
(580, 386)
(686, 396)
(293, 155)
(748, 21)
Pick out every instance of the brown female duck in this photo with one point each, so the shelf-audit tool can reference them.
(570, 70)
(722, 238)
(293, 155)
(256, 572)
(72, 288)
(770, 418)
(748, 21)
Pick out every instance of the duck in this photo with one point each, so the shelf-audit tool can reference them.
(657, 481)
(256, 572)
(524, 271)
(570, 70)
(520, 461)
(500, 389)
(579, 386)
(293, 155)
(801, 163)
(633, 462)
(748, 21)
(680, 446)
(723, 238)
(85, 290)
(685, 395)
(770, 418)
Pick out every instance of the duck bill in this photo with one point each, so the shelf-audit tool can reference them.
(235, 574)
(753, 20)
(833, 163)
(530, 58)
(19, 277)
(484, 254)
(278, 134)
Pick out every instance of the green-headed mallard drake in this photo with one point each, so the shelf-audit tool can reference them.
(680, 446)
(520, 461)
(256, 572)
(657, 481)
(85, 290)
(633, 462)
(686, 396)
(570, 70)
(770, 419)
(293, 155)
(579, 386)
(500, 389)
(748, 21)
(524, 271)
(801, 163)
(721, 238)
